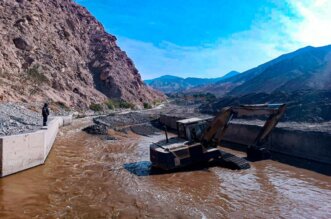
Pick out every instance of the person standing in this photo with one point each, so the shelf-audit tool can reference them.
(45, 113)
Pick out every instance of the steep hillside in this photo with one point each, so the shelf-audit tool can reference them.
(302, 105)
(310, 69)
(56, 50)
(301, 79)
(307, 68)
(173, 84)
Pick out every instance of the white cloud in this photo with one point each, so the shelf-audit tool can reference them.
(314, 26)
(268, 38)
(240, 52)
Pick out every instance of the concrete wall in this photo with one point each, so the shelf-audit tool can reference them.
(23, 151)
(310, 145)
(170, 121)
(50, 135)
(242, 134)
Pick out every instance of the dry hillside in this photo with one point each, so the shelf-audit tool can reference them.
(56, 50)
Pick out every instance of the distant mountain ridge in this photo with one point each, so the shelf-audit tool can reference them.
(306, 68)
(173, 84)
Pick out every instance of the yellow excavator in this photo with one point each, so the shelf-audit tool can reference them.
(198, 140)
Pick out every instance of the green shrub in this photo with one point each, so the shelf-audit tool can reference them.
(96, 107)
(110, 104)
(113, 104)
(147, 106)
(125, 105)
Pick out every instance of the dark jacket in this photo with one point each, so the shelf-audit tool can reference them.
(45, 111)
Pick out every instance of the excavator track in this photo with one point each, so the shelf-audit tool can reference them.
(233, 161)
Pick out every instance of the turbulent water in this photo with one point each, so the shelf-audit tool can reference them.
(88, 177)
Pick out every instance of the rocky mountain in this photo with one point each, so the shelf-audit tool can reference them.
(173, 84)
(306, 68)
(229, 75)
(301, 79)
(56, 50)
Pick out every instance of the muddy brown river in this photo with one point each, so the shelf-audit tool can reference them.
(88, 177)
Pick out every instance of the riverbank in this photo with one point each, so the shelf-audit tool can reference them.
(17, 119)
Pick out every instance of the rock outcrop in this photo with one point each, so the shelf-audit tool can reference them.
(56, 50)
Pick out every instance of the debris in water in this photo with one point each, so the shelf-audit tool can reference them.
(96, 130)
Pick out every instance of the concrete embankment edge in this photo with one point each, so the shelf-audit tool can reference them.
(309, 145)
(23, 151)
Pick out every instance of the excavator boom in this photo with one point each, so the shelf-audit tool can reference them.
(216, 130)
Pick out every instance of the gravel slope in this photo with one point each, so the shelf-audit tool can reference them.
(16, 118)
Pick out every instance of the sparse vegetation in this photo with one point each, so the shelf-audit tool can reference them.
(116, 104)
(196, 98)
(210, 97)
(96, 107)
(147, 106)
(110, 104)
(204, 96)
(33, 79)
(36, 77)
(125, 105)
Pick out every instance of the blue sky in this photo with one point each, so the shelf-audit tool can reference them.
(196, 38)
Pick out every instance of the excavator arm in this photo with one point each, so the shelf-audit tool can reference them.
(216, 130)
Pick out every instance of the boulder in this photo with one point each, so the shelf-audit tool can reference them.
(22, 44)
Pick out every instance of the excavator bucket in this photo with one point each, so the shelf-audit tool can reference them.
(255, 153)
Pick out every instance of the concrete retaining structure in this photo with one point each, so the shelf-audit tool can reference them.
(23, 151)
(309, 145)
(170, 121)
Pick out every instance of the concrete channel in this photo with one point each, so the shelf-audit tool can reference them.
(23, 151)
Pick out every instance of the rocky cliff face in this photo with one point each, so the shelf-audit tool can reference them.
(55, 49)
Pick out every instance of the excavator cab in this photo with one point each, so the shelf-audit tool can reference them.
(199, 139)
(192, 129)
